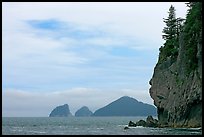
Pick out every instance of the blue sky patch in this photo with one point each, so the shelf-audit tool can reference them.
(123, 51)
(60, 29)
(45, 24)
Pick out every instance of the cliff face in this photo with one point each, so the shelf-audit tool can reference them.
(178, 97)
(176, 91)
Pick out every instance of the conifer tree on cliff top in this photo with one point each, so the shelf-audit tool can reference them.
(171, 35)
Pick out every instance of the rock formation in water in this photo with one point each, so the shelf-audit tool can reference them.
(150, 122)
(126, 106)
(83, 112)
(176, 84)
(61, 111)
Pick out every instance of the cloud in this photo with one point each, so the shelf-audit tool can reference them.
(25, 103)
(130, 19)
(80, 37)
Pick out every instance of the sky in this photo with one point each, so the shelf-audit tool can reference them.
(80, 54)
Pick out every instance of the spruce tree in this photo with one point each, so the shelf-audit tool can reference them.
(170, 29)
(171, 35)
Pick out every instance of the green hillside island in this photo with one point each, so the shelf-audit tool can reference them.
(176, 84)
(126, 106)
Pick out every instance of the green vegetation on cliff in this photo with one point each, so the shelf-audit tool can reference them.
(171, 35)
(192, 35)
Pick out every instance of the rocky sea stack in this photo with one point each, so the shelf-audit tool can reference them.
(176, 84)
(61, 111)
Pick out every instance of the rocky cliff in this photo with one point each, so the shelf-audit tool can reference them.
(176, 84)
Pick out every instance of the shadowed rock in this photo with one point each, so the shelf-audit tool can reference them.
(141, 123)
(126, 127)
(150, 122)
(131, 124)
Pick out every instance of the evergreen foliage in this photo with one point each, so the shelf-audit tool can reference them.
(192, 33)
(171, 35)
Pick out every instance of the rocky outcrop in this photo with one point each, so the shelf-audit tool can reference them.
(83, 112)
(61, 111)
(140, 123)
(131, 124)
(150, 122)
(177, 89)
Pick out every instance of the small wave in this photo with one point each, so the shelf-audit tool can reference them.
(199, 128)
(137, 127)
(17, 127)
(140, 127)
(18, 130)
(100, 128)
(39, 132)
(122, 125)
(190, 129)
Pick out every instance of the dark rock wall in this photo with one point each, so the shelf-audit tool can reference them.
(178, 95)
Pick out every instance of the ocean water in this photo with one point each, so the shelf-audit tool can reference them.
(84, 126)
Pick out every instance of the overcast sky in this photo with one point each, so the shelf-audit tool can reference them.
(78, 53)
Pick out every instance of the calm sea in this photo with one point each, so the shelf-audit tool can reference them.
(84, 126)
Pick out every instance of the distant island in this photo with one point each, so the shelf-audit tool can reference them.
(61, 111)
(83, 112)
(126, 106)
